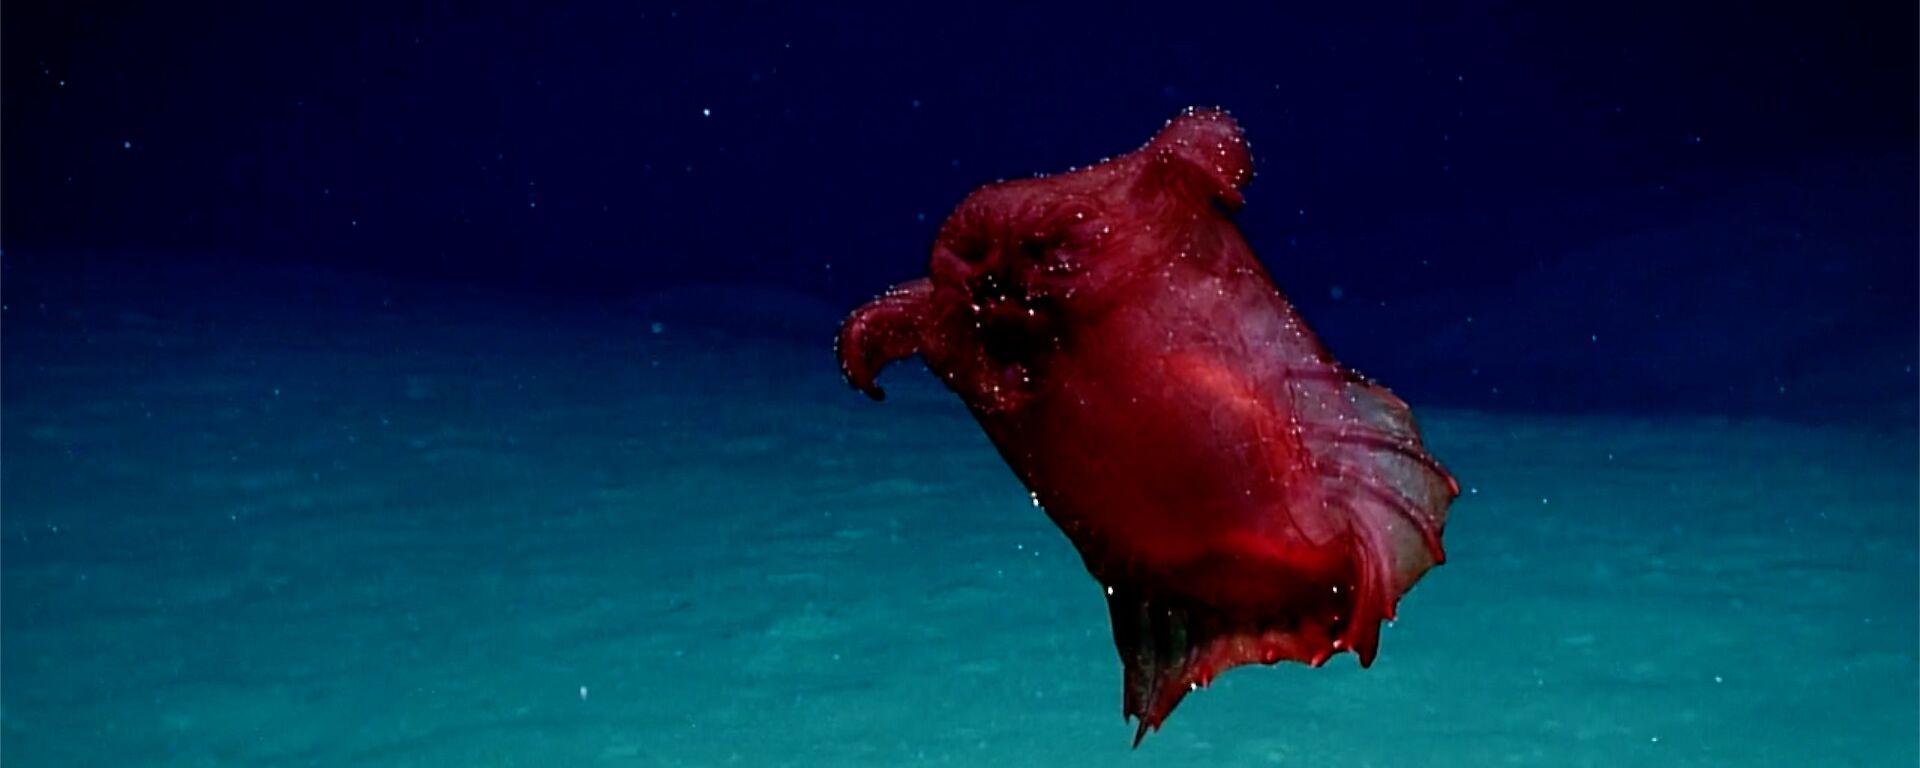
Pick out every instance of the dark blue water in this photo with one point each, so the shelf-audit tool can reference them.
(442, 386)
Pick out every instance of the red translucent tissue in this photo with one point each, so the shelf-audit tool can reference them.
(1242, 496)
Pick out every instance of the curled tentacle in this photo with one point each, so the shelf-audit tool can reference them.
(884, 330)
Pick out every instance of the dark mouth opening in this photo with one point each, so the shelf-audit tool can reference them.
(1018, 337)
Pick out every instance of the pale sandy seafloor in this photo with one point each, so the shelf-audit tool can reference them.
(402, 531)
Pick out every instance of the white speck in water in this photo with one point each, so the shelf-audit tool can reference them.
(126, 145)
(706, 113)
(583, 693)
(658, 328)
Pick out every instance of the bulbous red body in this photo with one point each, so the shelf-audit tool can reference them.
(1242, 496)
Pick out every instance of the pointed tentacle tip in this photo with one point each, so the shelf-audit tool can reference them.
(868, 387)
(846, 348)
(1366, 652)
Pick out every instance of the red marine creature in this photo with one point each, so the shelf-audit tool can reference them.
(1243, 497)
